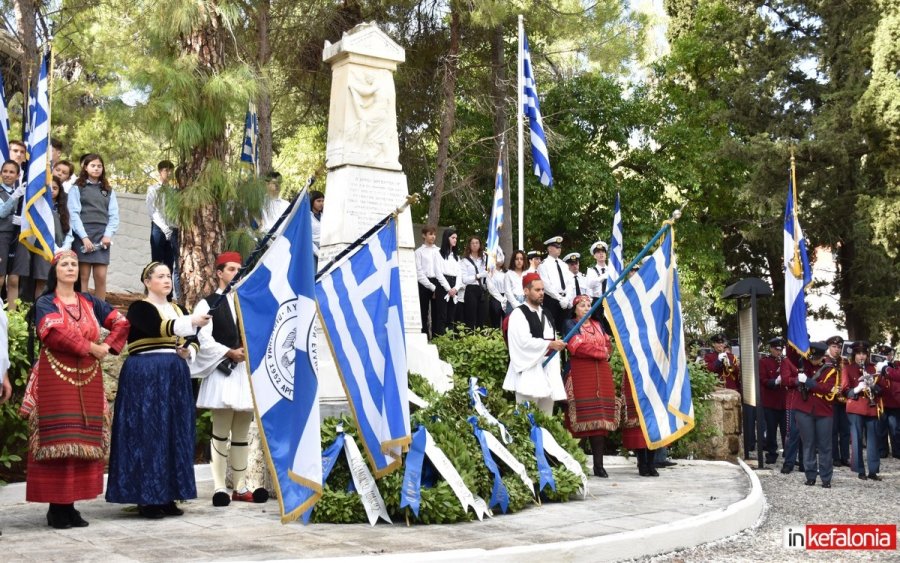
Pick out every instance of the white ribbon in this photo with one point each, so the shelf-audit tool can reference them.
(486, 414)
(509, 459)
(365, 484)
(451, 475)
(553, 448)
(416, 400)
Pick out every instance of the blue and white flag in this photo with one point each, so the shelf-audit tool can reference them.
(615, 246)
(532, 109)
(797, 274)
(645, 315)
(362, 314)
(277, 299)
(38, 232)
(493, 233)
(250, 149)
(4, 122)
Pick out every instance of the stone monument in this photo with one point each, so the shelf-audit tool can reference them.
(365, 182)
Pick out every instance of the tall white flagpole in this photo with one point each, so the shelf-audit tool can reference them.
(520, 117)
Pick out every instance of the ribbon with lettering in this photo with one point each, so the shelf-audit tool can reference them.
(509, 459)
(499, 494)
(545, 474)
(411, 493)
(552, 447)
(365, 484)
(475, 395)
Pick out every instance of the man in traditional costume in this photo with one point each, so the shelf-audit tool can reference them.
(531, 338)
(226, 387)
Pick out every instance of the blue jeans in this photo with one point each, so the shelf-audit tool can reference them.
(867, 425)
(166, 251)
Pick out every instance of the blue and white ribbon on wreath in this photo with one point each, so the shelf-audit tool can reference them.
(509, 459)
(545, 474)
(499, 494)
(475, 395)
(362, 481)
(552, 447)
(423, 445)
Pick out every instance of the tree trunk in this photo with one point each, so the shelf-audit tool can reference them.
(263, 99)
(857, 328)
(203, 239)
(499, 89)
(448, 119)
(26, 13)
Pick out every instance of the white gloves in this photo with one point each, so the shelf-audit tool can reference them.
(860, 388)
(481, 275)
(802, 378)
(723, 356)
(18, 192)
(16, 219)
(880, 366)
(778, 380)
(168, 233)
(565, 303)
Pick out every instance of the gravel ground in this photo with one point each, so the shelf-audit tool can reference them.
(790, 502)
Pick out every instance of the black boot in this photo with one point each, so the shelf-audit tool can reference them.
(75, 517)
(598, 445)
(57, 517)
(641, 455)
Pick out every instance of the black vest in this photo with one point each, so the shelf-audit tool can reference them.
(224, 329)
(535, 324)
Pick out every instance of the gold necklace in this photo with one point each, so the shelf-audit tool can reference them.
(58, 368)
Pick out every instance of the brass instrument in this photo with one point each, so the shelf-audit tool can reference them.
(869, 380)
(730, 370)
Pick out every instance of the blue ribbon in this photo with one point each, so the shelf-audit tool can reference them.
(329, 458)
(411, 493)
(544, 472)
(499, 494)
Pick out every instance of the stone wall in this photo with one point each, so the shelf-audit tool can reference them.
(726, 417)
(131, 245)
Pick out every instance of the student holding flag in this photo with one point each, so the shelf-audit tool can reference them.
(9, 227)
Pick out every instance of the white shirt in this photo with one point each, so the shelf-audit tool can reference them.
(571, 288)
(156, 205)
(451, 268)
(550, 275)
(472, 274)
(272, 211)
(428, 265)
(596, 277)
(514, 290)
(526, 374)
(496, 286)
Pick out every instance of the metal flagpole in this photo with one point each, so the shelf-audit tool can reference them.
(520, 118)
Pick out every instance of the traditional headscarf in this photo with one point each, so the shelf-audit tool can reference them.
(62, 253)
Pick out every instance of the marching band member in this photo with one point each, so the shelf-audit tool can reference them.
(862, 387)
(890, 373)
(772, 397)
(814, 416)
(840, 437)
(557, 300)
(723, 363)
(791, 364)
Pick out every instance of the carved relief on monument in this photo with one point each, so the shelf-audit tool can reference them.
(371, 127)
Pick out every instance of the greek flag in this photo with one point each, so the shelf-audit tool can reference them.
(532, 109)
(797, 274)
(645, 315)
(493, 232)
(4, 122)
(277, 299)
(250, 150)
(38, 227)
(362, 314)
(615, 245)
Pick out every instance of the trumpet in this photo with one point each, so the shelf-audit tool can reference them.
(869, 380)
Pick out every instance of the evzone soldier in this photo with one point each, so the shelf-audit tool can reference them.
(772, 397)
(723, 363)
(813, 413)
(862, 387)
(840, 438)
(890, 396)
(557, 295)
(792, 364)
(225, 388)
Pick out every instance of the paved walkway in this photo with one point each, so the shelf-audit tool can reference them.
(625, 516)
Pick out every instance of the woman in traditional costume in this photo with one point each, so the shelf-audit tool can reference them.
(66, 405)
(151, 462)
(591, 412)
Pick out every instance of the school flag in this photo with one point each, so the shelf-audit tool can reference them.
(38, 232)
(615, 245)
(250, 148)
(362, 314)
(532, 109)
(797, 273)
(277, 299)
(492, 244)
(645, 315)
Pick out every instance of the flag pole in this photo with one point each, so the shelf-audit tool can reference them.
(49, 176)
(520, 119)
(410, 199)
(667, 224)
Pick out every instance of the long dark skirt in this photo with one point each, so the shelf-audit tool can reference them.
(151, 459)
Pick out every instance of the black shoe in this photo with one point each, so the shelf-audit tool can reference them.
(221, 499)
(874, 477)
(75, 518)
(771, 461)
(862, 476)
(600, 472)
(826, 485)
(810, 482)
(845, 462)
(171, 509)
(151, 511)
(643, 471)
(651, 471)
(664, 464)
(260, 495)
(837, 463)
(787, 469)
(58, 519)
